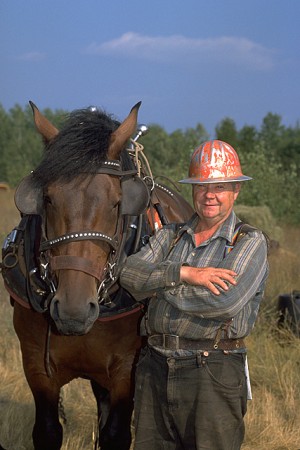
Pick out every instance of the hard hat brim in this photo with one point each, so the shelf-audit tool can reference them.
(214, 180)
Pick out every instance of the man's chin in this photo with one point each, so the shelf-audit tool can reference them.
(210, 211)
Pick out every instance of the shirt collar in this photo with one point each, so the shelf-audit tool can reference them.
(226, 230)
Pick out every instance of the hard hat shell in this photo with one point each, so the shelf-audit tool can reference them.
(214, 162)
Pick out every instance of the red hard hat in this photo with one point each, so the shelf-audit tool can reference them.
(213, 162)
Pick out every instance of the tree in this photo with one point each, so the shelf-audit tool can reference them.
(288, 150)
(271, 134)
(24, 147)
(156, 148)
(271, 186)
(226, 131)
(247, 139)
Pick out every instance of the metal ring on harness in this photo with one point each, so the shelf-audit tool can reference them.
(10, 265)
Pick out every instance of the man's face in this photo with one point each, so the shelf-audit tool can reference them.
(215, 200)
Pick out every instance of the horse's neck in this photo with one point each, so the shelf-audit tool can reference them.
(174, 208)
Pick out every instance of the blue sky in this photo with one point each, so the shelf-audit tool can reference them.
(189, 61)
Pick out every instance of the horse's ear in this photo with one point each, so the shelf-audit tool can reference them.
(119, 137)
(43, 125)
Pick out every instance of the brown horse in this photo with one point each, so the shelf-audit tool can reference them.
(89, 199)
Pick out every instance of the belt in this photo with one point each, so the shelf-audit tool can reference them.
(174, 342)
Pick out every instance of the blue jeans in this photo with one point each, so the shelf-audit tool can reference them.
(193, 402)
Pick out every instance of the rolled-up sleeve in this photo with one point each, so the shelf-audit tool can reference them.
(146, 272)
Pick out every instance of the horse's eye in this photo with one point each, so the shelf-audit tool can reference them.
(47, 200)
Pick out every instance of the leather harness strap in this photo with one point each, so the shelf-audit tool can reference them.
(76, 263)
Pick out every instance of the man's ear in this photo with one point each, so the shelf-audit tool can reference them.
(237, 187)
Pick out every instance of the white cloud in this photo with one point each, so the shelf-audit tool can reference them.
(177, 49)
(32, 56)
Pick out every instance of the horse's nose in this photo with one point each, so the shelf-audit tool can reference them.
(74, 320)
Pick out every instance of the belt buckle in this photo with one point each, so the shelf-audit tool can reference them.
(169, 340)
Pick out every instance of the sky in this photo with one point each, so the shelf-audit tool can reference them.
(188, 61)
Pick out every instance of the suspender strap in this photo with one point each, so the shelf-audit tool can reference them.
(240, 230)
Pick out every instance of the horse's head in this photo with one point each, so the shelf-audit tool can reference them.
(83, 191)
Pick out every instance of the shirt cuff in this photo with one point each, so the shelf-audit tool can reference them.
(173, 274)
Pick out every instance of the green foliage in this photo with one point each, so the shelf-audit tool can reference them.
(226, 131)
(272, 186)
(169, 155)
(21, 146)
(271, 155)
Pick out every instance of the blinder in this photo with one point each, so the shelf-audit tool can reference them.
(29, 197)
(135, 196)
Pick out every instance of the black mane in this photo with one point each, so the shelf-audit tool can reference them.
(79, 147)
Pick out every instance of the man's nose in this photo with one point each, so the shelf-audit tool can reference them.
(210, 191)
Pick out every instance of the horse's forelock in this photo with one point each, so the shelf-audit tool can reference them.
(80, 146)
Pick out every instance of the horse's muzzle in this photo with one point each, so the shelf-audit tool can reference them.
(74, 322)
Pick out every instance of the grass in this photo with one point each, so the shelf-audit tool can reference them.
(273, 417)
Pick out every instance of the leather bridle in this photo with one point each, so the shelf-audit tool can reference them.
(106, 276)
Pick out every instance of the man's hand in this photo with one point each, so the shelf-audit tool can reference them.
(209, 277)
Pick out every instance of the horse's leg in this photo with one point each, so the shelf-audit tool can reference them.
(113, 421)
(31, 329)
(103, 407)
(47, 431)
(123, 346)
(116, 433)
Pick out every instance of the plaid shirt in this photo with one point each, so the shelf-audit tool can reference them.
(191, 311)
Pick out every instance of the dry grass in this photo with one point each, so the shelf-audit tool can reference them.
(273, 418)
(16, 403)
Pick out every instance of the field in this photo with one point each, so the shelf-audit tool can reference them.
(273, 418)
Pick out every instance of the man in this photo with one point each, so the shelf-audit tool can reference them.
(191, 386)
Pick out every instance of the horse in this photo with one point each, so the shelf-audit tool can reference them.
(81, 210)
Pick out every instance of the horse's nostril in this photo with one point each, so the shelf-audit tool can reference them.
(60, 313)
(94, 309)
